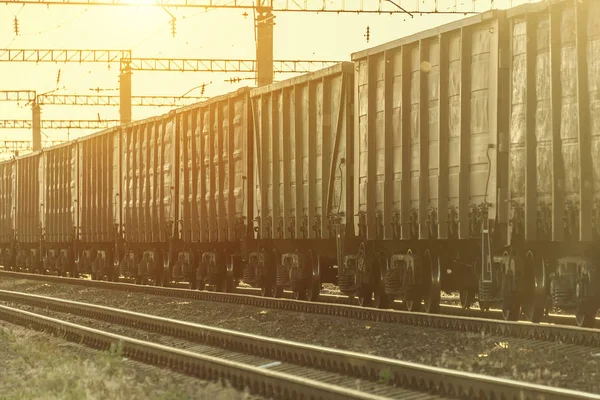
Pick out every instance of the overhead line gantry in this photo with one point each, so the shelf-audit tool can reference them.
(30, 96)
(128, 64)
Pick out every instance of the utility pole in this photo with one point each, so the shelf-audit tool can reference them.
(264, 21)
(36, 126)
(125, 93)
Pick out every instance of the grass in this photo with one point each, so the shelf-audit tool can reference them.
(33, 366)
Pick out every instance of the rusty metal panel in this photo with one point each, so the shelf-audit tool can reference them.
(57, 217)
(6, 202)
(213, 168)
(593, 86)
(444, 127)
(302, 131)
(149, 206)
(188, 225)
(555, 123)
(94, 191)
(27, 199)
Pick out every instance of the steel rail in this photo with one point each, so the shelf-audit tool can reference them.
(521, 330)
(438, 381)
(446, 309)
(259, 380)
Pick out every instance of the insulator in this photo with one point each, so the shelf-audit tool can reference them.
(16, 26)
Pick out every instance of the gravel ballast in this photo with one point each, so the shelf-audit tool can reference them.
(571, 367)
(36, 366)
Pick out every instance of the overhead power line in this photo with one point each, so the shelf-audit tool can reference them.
(126, 61)
(59, 124)
(23, 145)
(96, 100)
(312, 6)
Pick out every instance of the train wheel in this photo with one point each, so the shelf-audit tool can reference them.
(365, 297)
(432, 274)
(314, 285)
(511, 309)
(466, 299)
(585, 316)
(299, 294)
(412, 300)
(266, 290)
(534, 301)
(278, 292)
(382, 300)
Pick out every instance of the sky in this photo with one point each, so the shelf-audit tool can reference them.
(200, 33)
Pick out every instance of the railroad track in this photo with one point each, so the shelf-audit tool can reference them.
(519, 330)
(267, 366)
(329, 306)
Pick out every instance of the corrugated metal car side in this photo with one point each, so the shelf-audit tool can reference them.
(27, 199)
(188, 175)
(439, 86)
(303, 130)
(149, 203)
(96, 195)
(213, 161)
(6, 193)
(555, 120)
(57, 169)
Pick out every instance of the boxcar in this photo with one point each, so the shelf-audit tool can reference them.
(148, 197)
(7, 235)
(26, 216)
(553, 171)
(303, 139)
(474, 167)
(428, 112)
(58, 207)
(97, 211)
(212, 198)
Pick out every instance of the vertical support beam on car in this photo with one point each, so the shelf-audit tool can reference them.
(558, 177)
(465, 135)
(371, 153)
(443, 148)
(201, 196)
(326, 149)
(195, 166)
(299, 156)
(405, 180)
(585, 155)
(530, 138)
(311, 131)
(286, 133)
(388, 111)
(275, 157)
(423, 138)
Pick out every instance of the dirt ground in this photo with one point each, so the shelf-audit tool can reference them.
(569, 367)
(36, 366)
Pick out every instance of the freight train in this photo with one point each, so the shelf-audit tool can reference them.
(463, 158)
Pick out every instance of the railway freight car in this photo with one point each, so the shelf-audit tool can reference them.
(58, 193)
(36, 199)
(7, 236)
(553, 168)
(97, 212)
(211, 191)
(146, 200)
(303, 139)
(26, 206)
(474, 167)
(428, 112)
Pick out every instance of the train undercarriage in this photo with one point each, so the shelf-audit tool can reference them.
(524, 280)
